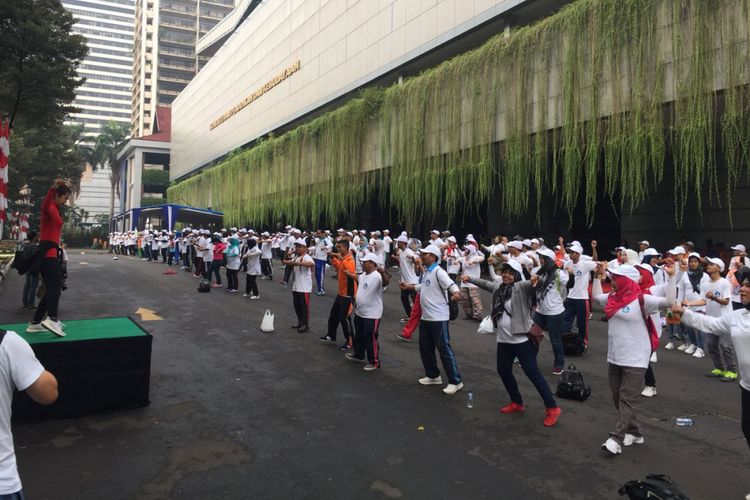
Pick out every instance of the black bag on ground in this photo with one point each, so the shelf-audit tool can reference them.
(655, 486)
(572, 344)
(24, 258)
(204, 286)
(572, 386)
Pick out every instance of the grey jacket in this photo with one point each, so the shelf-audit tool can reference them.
(520, 303)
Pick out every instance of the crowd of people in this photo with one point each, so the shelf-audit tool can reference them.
(533, 286)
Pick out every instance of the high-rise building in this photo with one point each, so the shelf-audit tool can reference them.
(106, 93)
(164, 57)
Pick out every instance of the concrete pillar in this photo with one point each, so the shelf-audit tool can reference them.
(136, 185)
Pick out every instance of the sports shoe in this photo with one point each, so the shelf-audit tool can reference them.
(351, 357)
(557, 371)
(215, 285)
(327, 339)
(35, 328)
(669, 346)
(648, 392)
(369, 367)
(303, 329)
(653, 358)
(344, 347)
(551, 415)
(631, 439)
(715, 373)
(511, 408)
(431, 381)
(691, 349)
(683, 347)
(54, 326)
(232, 291)
(451, 389)
(405, 319)
(400, 337)
(612, 446)
(254, 297)
(729, 376)
(246, 295)
(699, 353)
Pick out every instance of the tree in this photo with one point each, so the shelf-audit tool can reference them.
(38, 56)
(109, 142)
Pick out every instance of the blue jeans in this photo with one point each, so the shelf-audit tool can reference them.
(526, 354)
(18, 495)
(320, 267)
(553, 325)
(434, 334)
(696, 337)
(676, 332)
(29, 289)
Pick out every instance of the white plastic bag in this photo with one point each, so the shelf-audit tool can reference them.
(267, 324)
(486, 327)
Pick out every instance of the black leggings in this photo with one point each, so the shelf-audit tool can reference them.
(251, 285)
(52, 279)
(233, 279)
(746, 414)
(407, 298)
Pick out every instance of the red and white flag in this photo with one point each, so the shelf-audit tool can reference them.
(4, 153)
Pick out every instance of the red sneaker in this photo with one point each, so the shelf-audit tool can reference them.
(551, 415)
(511, 408)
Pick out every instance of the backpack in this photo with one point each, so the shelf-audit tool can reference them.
(572, 386)
(572, 344)
(204, 286)
(655, 486)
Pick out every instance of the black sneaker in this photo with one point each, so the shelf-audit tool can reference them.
(327, 339)
(296, 327)
(344, 347)
(303, 329)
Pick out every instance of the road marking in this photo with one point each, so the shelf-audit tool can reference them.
(148, 315)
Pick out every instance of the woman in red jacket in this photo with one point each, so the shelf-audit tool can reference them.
(48, 260)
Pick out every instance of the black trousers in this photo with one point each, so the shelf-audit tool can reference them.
(251, 285)
(52, 278)
(339, 314)
(366, 339)
(233, 279)
(407, 299)
(301, 302)
(650, 379)
(216, 271)
(287, 273)
(266, 268)
(746, 414)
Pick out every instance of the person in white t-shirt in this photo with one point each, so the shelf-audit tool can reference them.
(470, 263)
(629, 332)
(323, 247)
(368, 311)
(515, 253)
(406, 260)
(691, 289)
(252, 256)
(387, 241)
(302, 265)
(738, 260)
(452, 256)
(266, 255)
(550, 283)
(19, 370)
(577, 303)
(718, 295)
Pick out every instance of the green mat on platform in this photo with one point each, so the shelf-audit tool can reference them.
(84, 329)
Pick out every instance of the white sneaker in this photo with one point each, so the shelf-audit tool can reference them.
(691, 349)
(653, 357)
(631, 439)
(431, 381)
(648, 392)
(699, 353)
(612, 446)
(683, 347)
(451, 389)
(254, 297)
(54, 326)
(246, 295)
(35, 328)
(669, 346)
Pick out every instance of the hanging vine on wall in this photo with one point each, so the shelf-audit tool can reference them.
(574, 99)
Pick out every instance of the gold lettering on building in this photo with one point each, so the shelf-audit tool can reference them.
(255, 95)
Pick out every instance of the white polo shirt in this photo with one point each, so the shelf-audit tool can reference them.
(369, 298)
(406, 263)
(433, 292)
(302, 275)
(582, 275)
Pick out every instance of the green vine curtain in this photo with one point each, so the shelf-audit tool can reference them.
(573, 99)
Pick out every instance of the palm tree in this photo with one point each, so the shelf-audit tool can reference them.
(109, 142)
(83, 148)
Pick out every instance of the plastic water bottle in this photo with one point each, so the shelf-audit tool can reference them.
(470, 399)
(684, 421)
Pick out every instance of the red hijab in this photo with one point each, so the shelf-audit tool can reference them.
(647, 280)
(627, 292)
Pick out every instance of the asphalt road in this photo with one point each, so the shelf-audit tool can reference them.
(237, 413)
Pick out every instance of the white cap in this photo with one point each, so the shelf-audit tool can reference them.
(515, 244)
(650, 251)
(469, 237)
(265, 233)
(576, 248)
(349, 233)
(547, 253)
(534, 240)
(431, 249)
(717, 261)
(644, 242)
(526, 243)
(301, 242)
(695, 255)
(678, 250)
(403, 238)
(452, 239)
(739, 248)
(628, 271)
(287, 227)
(435, 231)
(369, 257)
(515, 265)
(620, 249)
(386, 230)
(341, 230)
(647, 267)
